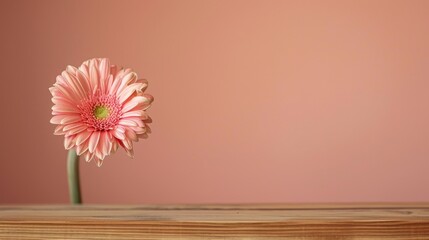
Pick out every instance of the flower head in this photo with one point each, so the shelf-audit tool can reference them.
(99, 107)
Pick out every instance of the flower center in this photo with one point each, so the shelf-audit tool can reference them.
(101, 112)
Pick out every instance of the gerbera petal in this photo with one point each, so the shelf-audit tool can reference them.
(93, 141)
(138, 130)
(147, 120)
(72, 125)
(81, 149)
(136, 120)
(148, 99)
(84, 69)
(83, 79)
(68, 93)
(127, 122)
(127, 143)
(125, 81)
(103, 145)
(144, 82)
(130, 152)
(109, 82)
(70, 119)
(79, 81)
(59, 130)
(143, 136)
(129, 133)
(77, 130)
(71, 69)
(99, 162)
(148, 129)
(113, 70)
(104, 73)
(82, 137)
(128, 91)
(134, 102)
(89, 156)
(57, 119)
(136, 113)
(69, 142)
(114, 146)
(115, 84)
(73, 84)
(64, 109)
(61, 100)
(119, 134)
(93, 75)
(99, 154)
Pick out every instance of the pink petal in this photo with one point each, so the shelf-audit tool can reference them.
(143, 136)
(115, 85)
(131, 135)
(126, 122)
(125, 81)
(145, 104)
(136, 113)
(104, 144)
(73, 84)
(137, 122)
(71, 119)
(69, 142)
(113, 70)
(81, 149)
(89, 156)
(134, 102)
(59, 130)
(93, 75)
(80, 81)
(83, 79)
(93, 141)
(78, 130)
(144, 82)
(62, 100)
(119, 134)
(99, 154)
(84, 69)
(71, 69)
(127, 144)
(114, 146)
(99, 162)
(147, 120)
(139, 130)
(128, 91)
(148, 129)
(57, 119)
(82, 137)
(130, 152)
(109, 82)
(104, 73)
(71, 126)
(68, 93)
(64, 109)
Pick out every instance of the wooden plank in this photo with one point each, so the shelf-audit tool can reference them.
(171, 222)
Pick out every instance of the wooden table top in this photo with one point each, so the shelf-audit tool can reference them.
(270, 221)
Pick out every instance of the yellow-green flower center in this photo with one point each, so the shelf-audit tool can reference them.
(101, 112)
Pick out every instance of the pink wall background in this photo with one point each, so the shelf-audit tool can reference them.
(255, 101)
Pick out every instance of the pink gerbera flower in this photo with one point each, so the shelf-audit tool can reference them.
(99, 107)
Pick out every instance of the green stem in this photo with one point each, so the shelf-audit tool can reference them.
(73, 176)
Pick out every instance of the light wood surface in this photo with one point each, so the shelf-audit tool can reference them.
(214, 222)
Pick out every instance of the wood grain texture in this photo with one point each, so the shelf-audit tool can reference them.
(297, 221)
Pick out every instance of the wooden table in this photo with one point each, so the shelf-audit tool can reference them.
(297, 221)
